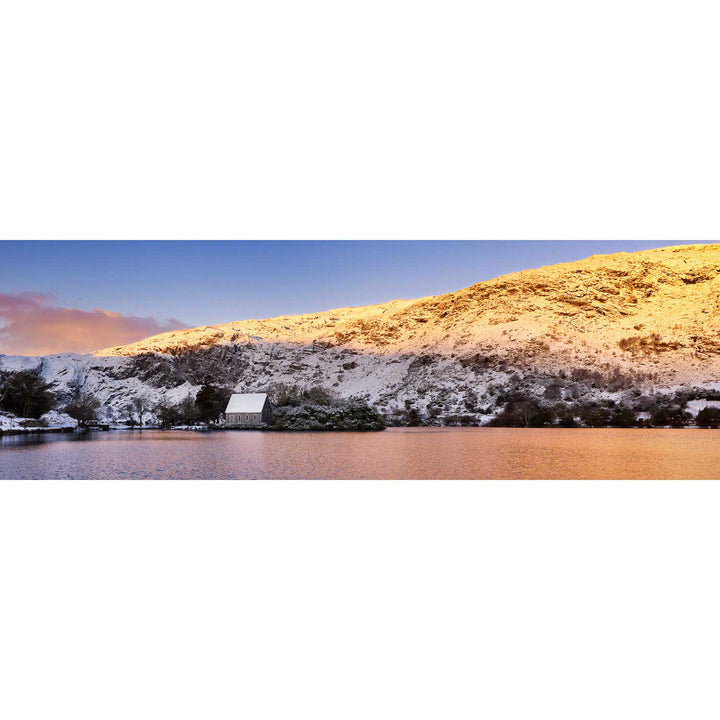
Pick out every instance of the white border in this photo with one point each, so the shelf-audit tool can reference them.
(383, 119)
(359, 599)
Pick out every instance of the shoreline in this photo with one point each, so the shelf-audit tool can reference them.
(73, 430)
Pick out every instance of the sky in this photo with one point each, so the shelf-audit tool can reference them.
(81, 296)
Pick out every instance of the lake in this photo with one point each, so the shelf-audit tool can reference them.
(404, 453)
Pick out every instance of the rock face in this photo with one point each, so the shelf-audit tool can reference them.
(609, 324)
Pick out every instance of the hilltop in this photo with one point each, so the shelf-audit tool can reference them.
(655, 310)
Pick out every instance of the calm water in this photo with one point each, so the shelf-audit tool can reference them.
(410, 453)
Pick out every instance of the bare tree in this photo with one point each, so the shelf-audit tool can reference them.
(140, 406)
(83, 407)
(131, 421)
(4, 386)
(167, 413)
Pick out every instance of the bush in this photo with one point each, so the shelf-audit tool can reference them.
(33, 423)
(408, 417)
(283, 394)
(317, 408)
(405, 417)
(594, 415)
(623, 418)
(526, 413)
(460, 420)
(343, 415)
(708, 417)
(670, 415)
(564, 416)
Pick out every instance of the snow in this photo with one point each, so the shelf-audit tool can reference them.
(514, 333)
(695, 406)
(9, 422)
(51, 419)
(246, 403)
(58, 419)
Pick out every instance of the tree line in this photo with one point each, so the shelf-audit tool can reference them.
(25, 393)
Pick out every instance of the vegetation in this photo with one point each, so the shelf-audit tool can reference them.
(523, 413)
(211, 402)
(575, 397)
(33, 424)
(409, 416)
(659, 411)
(669, 415)
(652, 343)
(83, 408)
(708, 417)
(167, 414)
(25, 393)
(139, 407)
(185, 412)
(130, 417)
(189, 411)
(297, 408)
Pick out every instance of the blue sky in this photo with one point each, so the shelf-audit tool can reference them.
(208, 282)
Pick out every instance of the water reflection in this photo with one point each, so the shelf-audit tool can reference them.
(410, 453)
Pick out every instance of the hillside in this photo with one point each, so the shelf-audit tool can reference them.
(657, 310)
(607, 324)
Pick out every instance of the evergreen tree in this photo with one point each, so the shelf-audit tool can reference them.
(211, 401)
(26, 394)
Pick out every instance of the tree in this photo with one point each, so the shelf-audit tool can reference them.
(295, 395)
(594, 415)
(672, 415)
(131, 421)
(623, 418)
(26, 394)
(3, 386)
(188, 411)
(83, 407)
(168, 414)
(211, 401)
(525, 413)
(708, 417)
(140, 405)
(565, 416)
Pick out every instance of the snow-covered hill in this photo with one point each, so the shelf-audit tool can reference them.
(607, 325)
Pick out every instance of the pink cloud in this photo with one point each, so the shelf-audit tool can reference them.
(33, 324)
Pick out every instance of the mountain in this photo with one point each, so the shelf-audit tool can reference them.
(609, 324)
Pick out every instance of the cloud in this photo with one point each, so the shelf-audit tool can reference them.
(34, 324)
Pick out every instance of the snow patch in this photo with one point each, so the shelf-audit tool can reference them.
(55, 418)
(695, 406)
